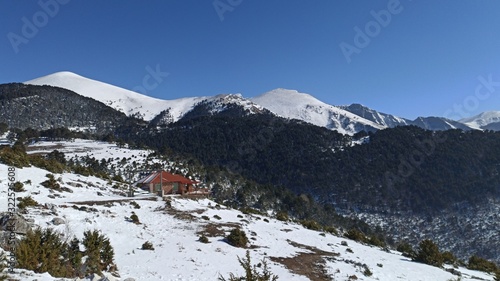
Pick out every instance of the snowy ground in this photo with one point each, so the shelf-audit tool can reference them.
(293, 253)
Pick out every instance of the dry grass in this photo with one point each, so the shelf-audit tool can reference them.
(310, 264)
(216, 229)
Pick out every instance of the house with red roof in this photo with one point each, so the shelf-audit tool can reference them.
(164, 183)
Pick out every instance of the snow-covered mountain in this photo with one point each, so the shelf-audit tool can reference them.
(383, 119)
(489, 120)
(294, 105)
(128, 102)
(438, 124)
(282, 102)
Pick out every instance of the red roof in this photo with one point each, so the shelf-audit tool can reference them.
(165, 177)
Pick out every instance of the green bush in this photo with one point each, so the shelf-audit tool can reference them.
(26, 202)
(331, 230)
(250, 211)
(406, 249)
(311, 224)
(449, 258)
(428, 253)
(251, 272)
(134, 218)
(147, 246)
(478, 263)
(50, 165)
(282, 216)
(14, 157)
(18, 187)
(135, 205)
(203, 239)
(237, 238)
(51, 182)
(376, 241)
(356, 235)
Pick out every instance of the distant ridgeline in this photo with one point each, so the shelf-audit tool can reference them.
(46, 107)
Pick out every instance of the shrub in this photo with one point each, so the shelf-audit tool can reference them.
(147, 246)
(356, 235)
(376, 241)
(135, 218)
(428, 253)
(478, 263)
(449, 258)
(406, 249)
(135, 205)
(367, 272)
(18, 187)
(117, 178)
(203, 239)
(217, 217)
(50, 165)
(248, 211)
(26, 202)
(251, 272)
(237, 238)
(205, 218)
(311, 224)
(282, 216)
(51, 183)
(14, 157)
(331, 230)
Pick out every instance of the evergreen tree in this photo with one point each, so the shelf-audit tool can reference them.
(428, 253)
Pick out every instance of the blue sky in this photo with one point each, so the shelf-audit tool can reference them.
(427, 59)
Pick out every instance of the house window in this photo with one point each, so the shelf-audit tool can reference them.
(157, 187)
(176, 187)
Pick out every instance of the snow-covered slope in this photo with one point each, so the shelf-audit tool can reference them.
(294, 105)
(126, 101)
(438, 124)
(383, 119)
(293, 252)
(487, 120)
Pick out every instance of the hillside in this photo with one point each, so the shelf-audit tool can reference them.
(126, 101)
(27, 106)
(174, 227)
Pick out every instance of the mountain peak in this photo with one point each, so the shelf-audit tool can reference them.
(295, 105)
(484, 120)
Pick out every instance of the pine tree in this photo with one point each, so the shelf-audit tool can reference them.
(428, 253)
(99, 252)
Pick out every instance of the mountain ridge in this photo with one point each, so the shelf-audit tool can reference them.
(346, 119)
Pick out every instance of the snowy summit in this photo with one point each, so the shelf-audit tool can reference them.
(126, 101)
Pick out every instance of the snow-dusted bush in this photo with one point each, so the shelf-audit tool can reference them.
(237, 238)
